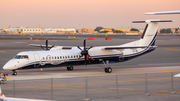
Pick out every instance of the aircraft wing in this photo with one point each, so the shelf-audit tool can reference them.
(37, 45)
(49, 46)
(166, 12)
(133, 47)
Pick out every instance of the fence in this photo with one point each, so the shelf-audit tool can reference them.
(109, 87)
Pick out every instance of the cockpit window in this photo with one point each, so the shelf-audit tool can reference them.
(21, 57)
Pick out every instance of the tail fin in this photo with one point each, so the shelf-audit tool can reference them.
(150, 32)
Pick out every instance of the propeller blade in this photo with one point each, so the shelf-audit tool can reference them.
(90, 47)
(51, 47)
(79, 47)
(42, 47)
(80, 57)
(84, 44)
(85, 60)
(90, 57)
(47, 44)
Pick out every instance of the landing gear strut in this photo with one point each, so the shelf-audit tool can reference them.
(107, 68)
(70, 68)
(14, 73)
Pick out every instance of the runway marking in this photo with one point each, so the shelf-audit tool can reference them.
(2, 51)
(113, 91)
(98, 90)
(72, 76)
(171, 49)
(127, 73)
(123, 88)
(157, 69)
(69, 84)
(76, 87)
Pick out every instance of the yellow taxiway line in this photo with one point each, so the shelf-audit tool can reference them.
(171, 49)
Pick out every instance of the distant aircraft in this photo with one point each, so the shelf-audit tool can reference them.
(56, 56)
(4, 98)
(165, 12)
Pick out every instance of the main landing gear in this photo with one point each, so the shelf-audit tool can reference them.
(14, 73)
(107, 68)
(70, 68)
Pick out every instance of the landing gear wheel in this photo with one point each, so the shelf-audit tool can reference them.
(108, 70)
(70, 68)
(14, 73)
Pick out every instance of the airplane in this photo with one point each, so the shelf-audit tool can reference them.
(57, 56)
(165, 12)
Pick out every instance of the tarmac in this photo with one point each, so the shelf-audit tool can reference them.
(146, 78)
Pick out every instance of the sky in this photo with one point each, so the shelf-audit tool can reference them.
(117, 14)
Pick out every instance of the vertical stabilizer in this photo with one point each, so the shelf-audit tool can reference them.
(149, 35)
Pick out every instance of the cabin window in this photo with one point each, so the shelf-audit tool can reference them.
(60, 57)
(43, 58)
(63, 57)
(57, 57)
(74, 56)
(54, 57)
(71, 56)
(68, 56)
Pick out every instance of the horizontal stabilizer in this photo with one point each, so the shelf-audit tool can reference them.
(152, 21)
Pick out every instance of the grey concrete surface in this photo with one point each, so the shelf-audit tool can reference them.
(71, 85)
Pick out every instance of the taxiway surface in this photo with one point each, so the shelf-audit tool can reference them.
(71, 85)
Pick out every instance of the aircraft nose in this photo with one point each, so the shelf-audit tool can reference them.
(9, 65)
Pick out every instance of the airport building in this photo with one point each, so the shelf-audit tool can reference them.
(86, 31)
(59, 30)
(22, 30)
(28, 30)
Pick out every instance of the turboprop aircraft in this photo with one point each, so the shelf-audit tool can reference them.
(57, 56)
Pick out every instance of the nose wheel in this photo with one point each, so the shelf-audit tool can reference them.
(14, 73)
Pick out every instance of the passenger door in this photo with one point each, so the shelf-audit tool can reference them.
(37, 60)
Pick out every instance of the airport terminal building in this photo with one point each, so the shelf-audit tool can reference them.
(21, 30)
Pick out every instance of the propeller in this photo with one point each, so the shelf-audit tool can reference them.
(47, 48)
(85, 53)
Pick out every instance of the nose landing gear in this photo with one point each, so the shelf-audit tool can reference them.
(14, 73)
